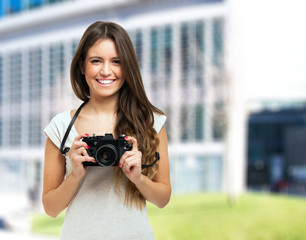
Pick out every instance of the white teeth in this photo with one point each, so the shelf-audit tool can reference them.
(105, 81)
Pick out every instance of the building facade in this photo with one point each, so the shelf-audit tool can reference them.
(15, 7)
(181, 52)
(276, 149)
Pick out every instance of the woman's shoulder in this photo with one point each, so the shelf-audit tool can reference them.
(159, 121)
(61, 117)
(56, 128)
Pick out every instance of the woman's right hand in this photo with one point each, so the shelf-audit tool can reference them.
(59, 190)
(77, 155)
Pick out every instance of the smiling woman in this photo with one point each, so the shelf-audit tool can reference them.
(106, 202)
(102, 69)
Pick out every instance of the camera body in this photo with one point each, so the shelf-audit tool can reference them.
(106, 150)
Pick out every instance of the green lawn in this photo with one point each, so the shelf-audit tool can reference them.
(210, 217)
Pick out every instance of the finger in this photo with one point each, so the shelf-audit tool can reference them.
(89, 159)
(80, 159)
(82, 151)
(133, 141)
(79, 137)
(130, 163)
(128, 155)
(78, 144)
(125, 156)
(85, 156)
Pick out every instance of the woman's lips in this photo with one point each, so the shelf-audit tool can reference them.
(105, 81)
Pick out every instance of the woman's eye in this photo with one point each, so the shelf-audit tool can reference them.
(95, 61)
(117, 62)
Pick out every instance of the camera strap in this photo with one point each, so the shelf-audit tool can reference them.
(62, 149)
(150, 165)
(65, 150)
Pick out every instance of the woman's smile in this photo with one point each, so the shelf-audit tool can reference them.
(102, 69)
(105, 82)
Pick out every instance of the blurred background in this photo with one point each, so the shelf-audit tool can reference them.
(229, 74)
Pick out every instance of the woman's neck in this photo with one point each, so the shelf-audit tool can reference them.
(102, 106)
(97, 117)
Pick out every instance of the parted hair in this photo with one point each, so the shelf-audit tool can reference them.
(134, 110)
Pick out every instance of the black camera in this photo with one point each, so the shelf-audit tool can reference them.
(106, 150)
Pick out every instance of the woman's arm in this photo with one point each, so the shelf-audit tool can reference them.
(58, 191)
(158, 190)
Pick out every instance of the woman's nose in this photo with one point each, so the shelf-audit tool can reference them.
(105, 69)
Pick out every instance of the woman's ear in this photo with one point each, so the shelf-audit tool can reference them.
(81, 65)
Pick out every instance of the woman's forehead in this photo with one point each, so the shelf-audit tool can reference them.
(103, 47)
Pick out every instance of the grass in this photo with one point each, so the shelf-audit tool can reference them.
(211, 217)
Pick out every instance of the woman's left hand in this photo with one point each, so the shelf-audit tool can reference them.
(131, 162)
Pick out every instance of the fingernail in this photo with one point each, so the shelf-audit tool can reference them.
(119, 165)
(87, 147)
(126, 138)
(86, 134)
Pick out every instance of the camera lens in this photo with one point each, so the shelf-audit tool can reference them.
(107, 155)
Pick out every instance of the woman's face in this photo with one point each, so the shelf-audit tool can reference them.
(102, 69)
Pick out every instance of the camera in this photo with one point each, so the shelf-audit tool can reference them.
(106, 150)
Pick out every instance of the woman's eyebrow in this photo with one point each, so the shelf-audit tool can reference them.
(95, 57)
(102, 58)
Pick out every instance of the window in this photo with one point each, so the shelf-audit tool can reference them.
(168, 53)
(34, 130)
(54, 1)
(138, 48)
(218, 42)
(192, 52)
(1, 130)
(184, 124)
(1, 8)
(56, 74)
(15, 78)
(200, 49)
(184, 52)
(219, 121)
(190, 173)
(56, 59)
(35, 79)
(74, 46)
(154, 49)
(35, 3)
(15, 6)
(199, 122)
(188, 123)
(15, 130)
(1, 79)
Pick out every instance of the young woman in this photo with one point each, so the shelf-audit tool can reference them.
(106, 202)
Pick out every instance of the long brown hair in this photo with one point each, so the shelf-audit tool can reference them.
(134, 110)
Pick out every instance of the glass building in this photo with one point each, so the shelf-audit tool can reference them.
(182, 60)
(13, 7)
(276, 149)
